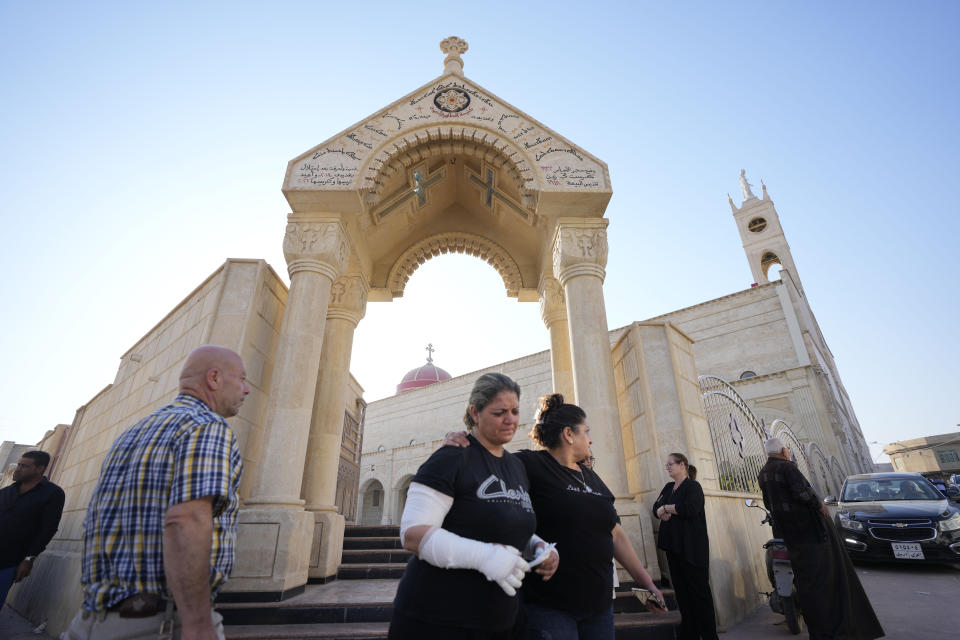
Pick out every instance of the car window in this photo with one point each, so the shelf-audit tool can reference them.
(889, 489)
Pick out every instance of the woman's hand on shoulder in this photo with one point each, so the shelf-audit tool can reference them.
(456, 439)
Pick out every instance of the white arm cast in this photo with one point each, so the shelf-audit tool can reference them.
(441, 548)
(424, 506)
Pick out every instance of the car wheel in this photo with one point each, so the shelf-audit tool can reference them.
(792, 612)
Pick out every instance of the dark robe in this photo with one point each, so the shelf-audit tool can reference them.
(832, 600)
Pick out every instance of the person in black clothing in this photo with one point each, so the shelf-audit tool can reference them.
(683, 536)
(832, 600)
(575, 509)
(467, 516)
(30, 510)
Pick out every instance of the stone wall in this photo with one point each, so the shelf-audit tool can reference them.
(738, 572)
(430, 412)
(10, 453)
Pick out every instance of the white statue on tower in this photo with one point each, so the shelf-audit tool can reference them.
(745, 186)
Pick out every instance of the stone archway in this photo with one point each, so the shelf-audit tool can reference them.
(401, 491)
(449, 167)
(371, 503)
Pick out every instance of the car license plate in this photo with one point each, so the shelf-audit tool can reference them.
(907, 550)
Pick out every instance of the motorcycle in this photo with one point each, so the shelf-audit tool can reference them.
(783, 598)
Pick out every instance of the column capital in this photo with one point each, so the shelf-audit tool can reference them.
(580, 248)
(553, 304)
(320, 246)
(348, 298)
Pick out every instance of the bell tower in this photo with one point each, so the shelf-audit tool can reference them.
(763, 239)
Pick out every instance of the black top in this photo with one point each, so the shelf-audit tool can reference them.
(793, 505)
(685, 533)
(491, 503)
(575, 510)
(28, 521)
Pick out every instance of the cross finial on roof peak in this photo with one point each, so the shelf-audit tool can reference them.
(453, 47)
(430, 351)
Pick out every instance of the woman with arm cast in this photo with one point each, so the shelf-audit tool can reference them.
(683, 536)
(468, 512)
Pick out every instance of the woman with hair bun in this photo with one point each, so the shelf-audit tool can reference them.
(683, 536)
(575, 510)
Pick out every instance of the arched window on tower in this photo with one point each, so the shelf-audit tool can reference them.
(748, 374)
(768, 260)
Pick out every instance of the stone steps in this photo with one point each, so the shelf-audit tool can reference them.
(365, 571)
(359, 604)
(350, 544)
(348, 631)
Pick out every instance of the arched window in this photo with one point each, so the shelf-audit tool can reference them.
(768, 260)
(748, 374)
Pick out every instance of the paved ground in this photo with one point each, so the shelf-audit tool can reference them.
(13, 627)
(910, 601)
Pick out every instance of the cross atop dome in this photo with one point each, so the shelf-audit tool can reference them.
(424, 375)
(453, 47)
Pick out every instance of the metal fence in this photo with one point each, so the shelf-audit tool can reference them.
(821, 479)
(736, 434)
(738, 438)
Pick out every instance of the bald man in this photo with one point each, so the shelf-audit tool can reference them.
(162, 522)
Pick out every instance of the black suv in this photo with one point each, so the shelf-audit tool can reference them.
(896, 517)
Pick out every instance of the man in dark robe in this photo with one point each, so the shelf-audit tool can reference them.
(832, 600)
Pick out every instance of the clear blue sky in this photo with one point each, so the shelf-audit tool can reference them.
(141, 144)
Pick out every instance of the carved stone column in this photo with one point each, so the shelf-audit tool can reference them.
(348, 302)
(579, 257)
(553, 309)
(275, 532)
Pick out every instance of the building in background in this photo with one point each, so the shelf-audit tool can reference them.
(940, 453)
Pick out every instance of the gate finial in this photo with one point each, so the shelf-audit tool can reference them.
(453, 47)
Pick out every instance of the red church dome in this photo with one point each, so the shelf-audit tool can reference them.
(423, 376)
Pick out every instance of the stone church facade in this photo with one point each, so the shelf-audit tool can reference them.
(450, 167)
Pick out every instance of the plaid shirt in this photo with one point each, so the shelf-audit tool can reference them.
(181, 452)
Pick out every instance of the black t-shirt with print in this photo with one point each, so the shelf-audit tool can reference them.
(577, 513)
(491, 503)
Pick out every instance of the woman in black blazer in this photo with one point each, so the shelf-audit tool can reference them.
(683, 536)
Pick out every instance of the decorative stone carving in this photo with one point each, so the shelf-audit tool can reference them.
(745, 186)
(453, 47)
(553, 303)
(348, 298)
(579, 249)
(449, 117)
(316, 246)
(468, 243)
(415, 146)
